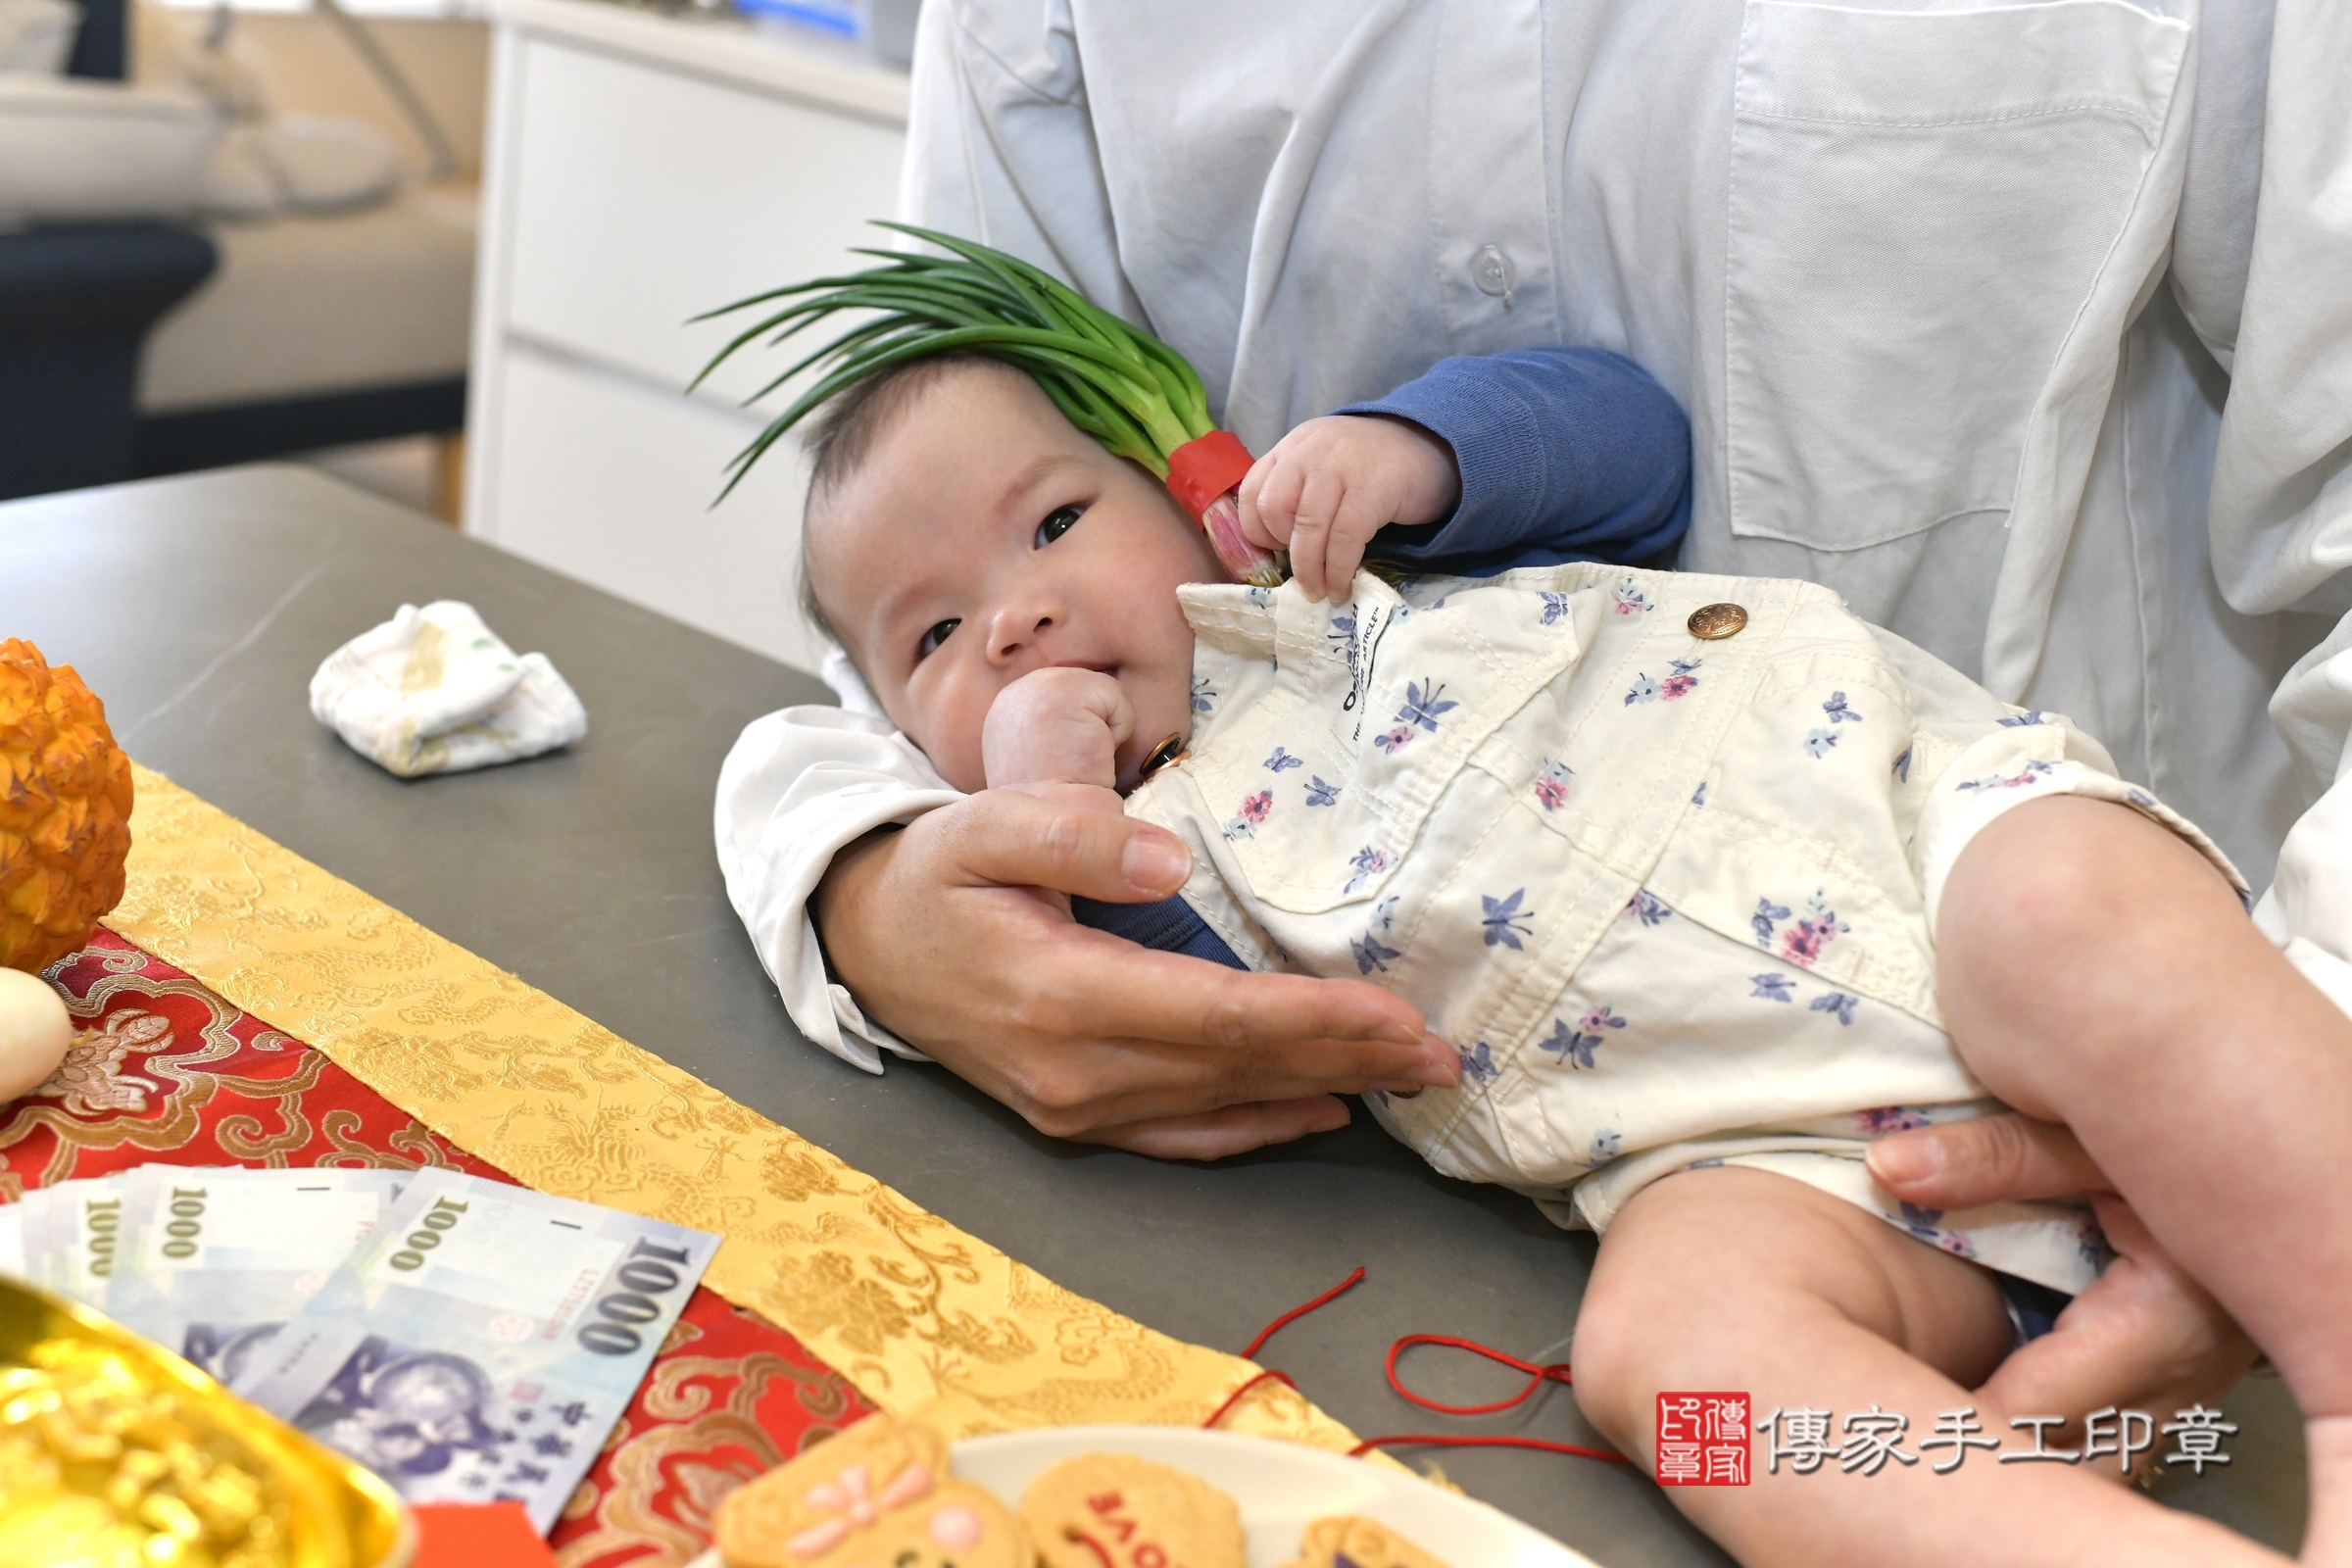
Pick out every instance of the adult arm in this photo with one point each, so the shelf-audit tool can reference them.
(939, 934)
(945, 934)
(2263, 279)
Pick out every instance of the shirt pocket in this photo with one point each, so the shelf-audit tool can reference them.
(1920, 206)
(1320, 789)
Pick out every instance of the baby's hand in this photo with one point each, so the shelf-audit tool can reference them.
(1333, 483)
(1055, 728)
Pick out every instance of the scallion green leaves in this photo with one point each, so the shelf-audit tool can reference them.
(1122, 386)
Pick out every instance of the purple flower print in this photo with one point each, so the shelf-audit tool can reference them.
(1647, 906)
(1815, 929)
(1880, 1120)
(1383, 914)
(1627, 599)
(1606, 1145)
(1252, 811)
(1282, 762)
(1838, 1002)
(1395, 740)
(2025, 720)
(1555, 608)
(1838, 712)
(2140, 798)
(1772, 987)
(1575, 1045)
(1423, 706)
(1902, 765)
(2097, 1251)
(1552, 785)
(1371, 953)
(1205, 696)
(1502, 918)
(1819, 742)
(1927, 1224)
(1478, 1063)
(1319, 792)
(1680, 681)
(1698, 796)
(1367, 864)
(1767, 916)
(2023, 779)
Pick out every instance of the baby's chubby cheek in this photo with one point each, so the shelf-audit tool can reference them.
(949, 733)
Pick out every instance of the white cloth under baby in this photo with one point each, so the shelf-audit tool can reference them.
(1672, 899)
(435, 691)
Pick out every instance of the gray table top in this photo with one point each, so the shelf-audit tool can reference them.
(198, 607)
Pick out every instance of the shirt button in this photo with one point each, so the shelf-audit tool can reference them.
(1714, 622)
(1492, 270)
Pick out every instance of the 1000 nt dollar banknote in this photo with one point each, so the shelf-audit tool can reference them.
(481, 1341)
(214, 1260)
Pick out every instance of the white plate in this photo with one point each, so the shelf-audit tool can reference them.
(1282, 1488)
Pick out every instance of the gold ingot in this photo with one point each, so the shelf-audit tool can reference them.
(115, 1451)
(1714, 622)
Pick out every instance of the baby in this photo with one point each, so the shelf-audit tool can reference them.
(1705, 878)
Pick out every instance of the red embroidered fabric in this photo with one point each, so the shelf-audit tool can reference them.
(163, 1070)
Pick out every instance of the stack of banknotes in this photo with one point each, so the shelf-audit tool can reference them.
(468, 1341)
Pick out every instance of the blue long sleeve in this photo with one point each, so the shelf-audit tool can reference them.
(1566, 454)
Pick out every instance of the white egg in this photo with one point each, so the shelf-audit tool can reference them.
(34, 1031)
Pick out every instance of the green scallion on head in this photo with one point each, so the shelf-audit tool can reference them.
(1121, 385)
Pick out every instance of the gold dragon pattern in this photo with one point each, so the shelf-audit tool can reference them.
(928, 1321)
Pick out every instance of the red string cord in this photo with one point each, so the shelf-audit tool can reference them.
(1536, 1376)
(1235, 1398)
(1249, 1351)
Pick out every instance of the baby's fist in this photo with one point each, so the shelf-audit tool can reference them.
(1057, 725)
(1333, 483)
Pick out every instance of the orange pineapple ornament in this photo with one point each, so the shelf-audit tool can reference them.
(65, 810)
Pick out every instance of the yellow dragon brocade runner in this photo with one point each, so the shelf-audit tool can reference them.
(926, 1320)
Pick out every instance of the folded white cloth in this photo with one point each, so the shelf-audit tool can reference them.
(435, 691)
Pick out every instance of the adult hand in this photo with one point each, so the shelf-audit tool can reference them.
(955, 934)
(2144, 1336)
(1986, 1160)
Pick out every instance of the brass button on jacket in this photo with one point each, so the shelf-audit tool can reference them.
(1714, 622)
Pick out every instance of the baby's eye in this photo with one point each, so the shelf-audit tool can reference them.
(1057, 523)
(931, 639)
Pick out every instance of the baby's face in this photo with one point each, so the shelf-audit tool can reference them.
(984, 537)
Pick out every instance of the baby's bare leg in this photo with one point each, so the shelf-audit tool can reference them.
(1739, 1280)
(2097, 971)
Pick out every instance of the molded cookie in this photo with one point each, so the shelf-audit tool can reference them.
(1114, 1511)
(879, 1494)
(1354, 1541)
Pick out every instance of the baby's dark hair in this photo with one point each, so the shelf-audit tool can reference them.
(842, 432)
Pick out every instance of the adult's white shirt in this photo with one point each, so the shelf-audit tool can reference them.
(2027, 328)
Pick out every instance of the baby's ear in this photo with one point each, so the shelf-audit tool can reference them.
(1229, 618)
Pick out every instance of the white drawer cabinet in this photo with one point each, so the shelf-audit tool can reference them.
(641, 170)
